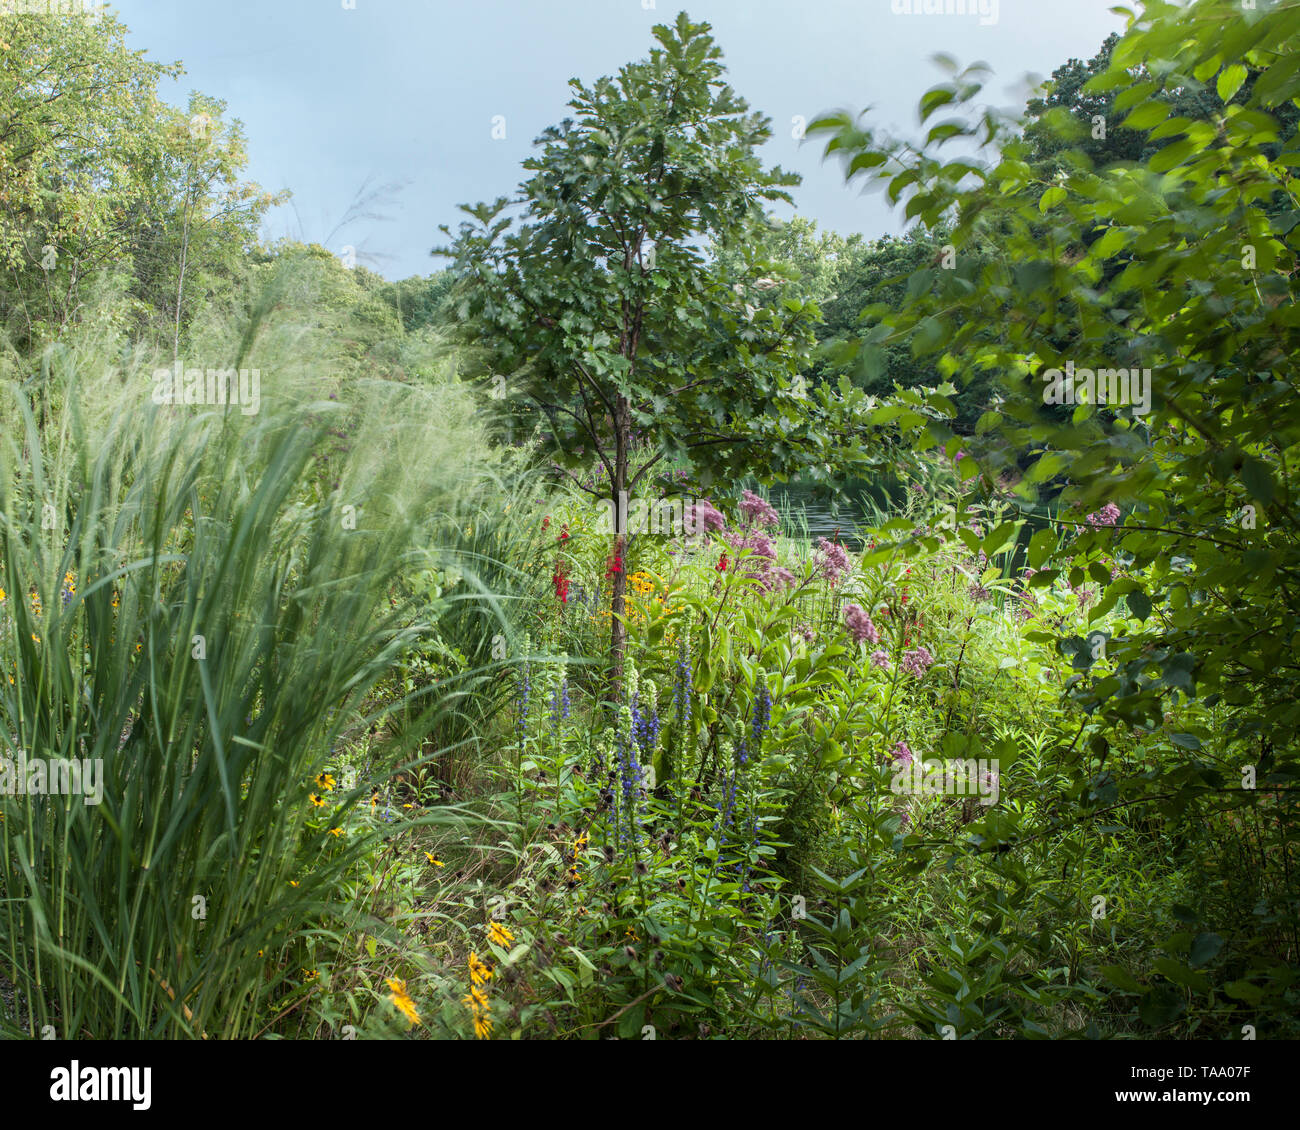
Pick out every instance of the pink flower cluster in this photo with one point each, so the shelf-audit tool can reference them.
(704, 516)
(880, 660)
(754, 540)
(902, 754)
(780, 576)
(761, 564)
(1108, 515)
(758, 511)
(859, 624)
(832, 559)
(917, 661)
(1028, 602)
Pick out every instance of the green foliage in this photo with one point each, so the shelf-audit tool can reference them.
(1179, 263)
(1023, 766)
(101, 179)
(617, 337)
(602, 308)
(190, 607)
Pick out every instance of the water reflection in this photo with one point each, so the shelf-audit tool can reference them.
(843, 516)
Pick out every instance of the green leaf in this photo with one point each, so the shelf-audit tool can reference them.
(1180, 974)
(1114, 240)
(1161, 1007)
(866, 161)
(1120, 977)
(1139, 604)
(1041, 547)
(630, 1024)
(1051, 198)
(1230, 80)
(930, 334)
(1147, 115)
(1244, 991)
(1258, 479)
(998, 540)
(931, 100)
(1205, 947)
(1173, 155)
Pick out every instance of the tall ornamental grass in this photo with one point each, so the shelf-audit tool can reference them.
(192, 602)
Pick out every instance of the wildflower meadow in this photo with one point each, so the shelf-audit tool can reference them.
(667, 619)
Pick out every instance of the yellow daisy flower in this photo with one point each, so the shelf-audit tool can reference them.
(479, 973)
(402, 1000)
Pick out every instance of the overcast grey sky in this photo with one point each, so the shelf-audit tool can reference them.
(335, 93)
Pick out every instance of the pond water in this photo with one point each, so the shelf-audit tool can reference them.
(847, 513)
(841, 515)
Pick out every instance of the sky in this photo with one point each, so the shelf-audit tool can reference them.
(401, 98)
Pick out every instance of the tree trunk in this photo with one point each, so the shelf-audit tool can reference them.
(180, 281)
(618, 627)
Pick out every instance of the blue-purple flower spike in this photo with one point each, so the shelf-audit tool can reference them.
(682, 686)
